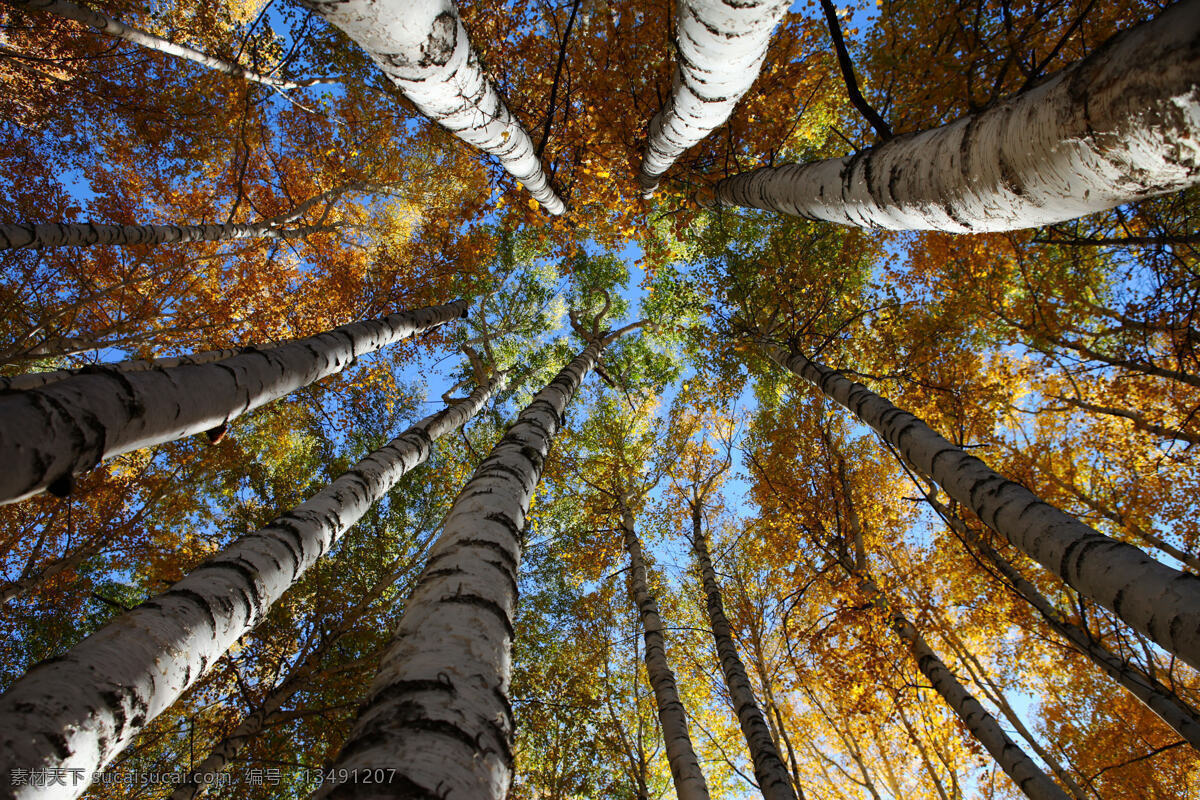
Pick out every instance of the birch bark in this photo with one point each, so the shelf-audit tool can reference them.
(422, 47)
(84, 234)
(1168, 707)
(1159, 602)
(720, 47)
(769, 770)
(34, 380)
(437, 715)
(111, 27)
(1118, 126)
(685, 768)
(77, 711)
(55, 432)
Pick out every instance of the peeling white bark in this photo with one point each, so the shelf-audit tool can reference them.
(769, 770)
(685, 768)
(422, 47)
(111, 27)
(83, 234)
(1159, 602)
(52, 433)
(438, 712)
(77, 711)
(1118, 126)
(720, 45)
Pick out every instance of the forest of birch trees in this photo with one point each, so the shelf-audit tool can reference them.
(559, 400)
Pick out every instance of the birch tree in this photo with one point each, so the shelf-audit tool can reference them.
(422, 48)
(769, 770)
(1121, 125)
(1157, 601)
(77, 711)
(720, 48)
(83, 234)
(685, 768)
(50, 434)
(437, 718)
(115, 28)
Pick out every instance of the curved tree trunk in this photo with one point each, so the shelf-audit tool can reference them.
(685, 768)
(422, 47)
(1166, 705)
(769, 770)
(111, 27)
(437, 716)
(50, 434)
(720, 48)
(1121, 125)
(1159, 602)
(77, 711)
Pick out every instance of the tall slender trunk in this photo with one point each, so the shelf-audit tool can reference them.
(685, 768)
(111, 27)
(769, 770)
(1165, 704)
(1160, 602)
(78, 710)
(1025, 773)
(50, 434)
(1118, 126)
(83, 234)
(995, 695)
(437, 716)
(930, 770)
(720, 49)
(422, 47)
(230, 746)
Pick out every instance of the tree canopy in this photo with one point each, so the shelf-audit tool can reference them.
(190, 182)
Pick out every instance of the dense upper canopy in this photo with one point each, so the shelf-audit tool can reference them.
(1066, 356)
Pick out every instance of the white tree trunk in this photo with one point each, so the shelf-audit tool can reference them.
(55, 432)
(437, 719)
(226, 750)
(1159, 602)
(34, 380)
(720, 47)
(1119, 126)
(111, 27)
(422, 47)
(1025, 773)
(685, 768)
(83, 234)
(77, 711)
(773, 780)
